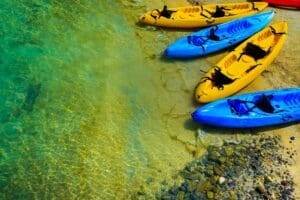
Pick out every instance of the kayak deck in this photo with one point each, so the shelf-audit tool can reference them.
(200, 16)
(218, 37)
(258, 109)
(243, 65)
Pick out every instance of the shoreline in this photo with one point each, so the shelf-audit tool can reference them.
(284, 65)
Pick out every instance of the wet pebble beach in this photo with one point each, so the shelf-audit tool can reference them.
(248, 169)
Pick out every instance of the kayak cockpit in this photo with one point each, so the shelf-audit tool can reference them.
(242, 107)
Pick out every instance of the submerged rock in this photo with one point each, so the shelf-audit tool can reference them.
(33, 92)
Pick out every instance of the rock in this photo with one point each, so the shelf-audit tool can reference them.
(246, 173)
(222, 159)
(206, 186)
(209, 172)
(228, 163)
(260, 188)
(193, 176)
(215, 179)
(222, 180)
(210, 195)
(268, 179)
(207, 139)
(214, 155)
(210, 167)
(218, 170)
(229, 151)
(293, 138)
(180, 195)
(192, 186)
(284, 183)
(232, 184)
(200, 133)
(232, 195)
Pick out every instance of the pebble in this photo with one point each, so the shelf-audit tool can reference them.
(293, 138)
(268, 179)
(260, 188)
(222, 180)
(243, 173)
(229, 151)
(210, 195)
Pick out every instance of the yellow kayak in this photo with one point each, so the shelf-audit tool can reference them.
(200, 16)
(241, 66)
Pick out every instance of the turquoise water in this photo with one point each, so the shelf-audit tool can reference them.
(79, 111)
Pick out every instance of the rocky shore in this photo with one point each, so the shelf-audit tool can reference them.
(250, 169)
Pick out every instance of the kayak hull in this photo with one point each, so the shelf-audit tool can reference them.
(286, 104)
(201, 16)
(285, 3)
(228, 34)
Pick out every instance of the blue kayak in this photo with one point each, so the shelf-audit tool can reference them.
(218, 37)
(265, 108)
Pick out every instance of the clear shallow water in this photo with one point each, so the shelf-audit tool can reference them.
(79, 114)
(88, 108)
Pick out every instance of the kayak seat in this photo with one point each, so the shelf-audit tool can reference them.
(264, 104)
(238, 107)
(254, 51)
(166, 13)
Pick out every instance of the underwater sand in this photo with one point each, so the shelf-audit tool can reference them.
(89, 110)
